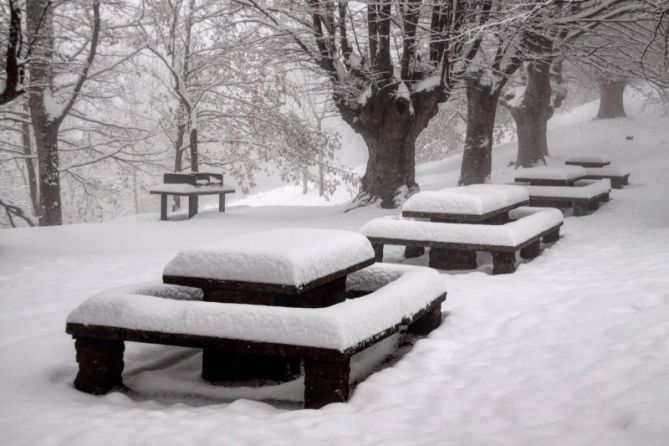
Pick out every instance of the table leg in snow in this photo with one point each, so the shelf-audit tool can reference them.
(580, 208)
(448, 258)
(428, 322)
(605, 198)
(532, 250)
(413, 251)
(593, 205)
(503, 262)
(552, 236)
(163, 206)
(326, 381)
(100, 365)
(378, 252)
(192, 205)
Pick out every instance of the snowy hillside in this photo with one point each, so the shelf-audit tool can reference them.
(572, 349)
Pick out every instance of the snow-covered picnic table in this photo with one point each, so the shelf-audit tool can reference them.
(476, 203)
(599, 167)
(270, 339)
(550, 175)
(193, 193)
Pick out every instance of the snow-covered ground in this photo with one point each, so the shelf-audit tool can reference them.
(572, 349)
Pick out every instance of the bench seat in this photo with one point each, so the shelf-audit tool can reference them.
(584, 196)
(323, 338)
(447, 240)
(618, 176)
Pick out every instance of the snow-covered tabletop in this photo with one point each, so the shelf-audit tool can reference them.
(589, 160)
(551, 175)
(473, 203)
(186, 189)
(292, 258)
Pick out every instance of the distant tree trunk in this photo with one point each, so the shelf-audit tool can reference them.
(178, 159)
(532, 115)
(477, 156)
(321, 175)
(30, 164)
(45, 124)
(390, 125)
(305, 182)
(611, 99)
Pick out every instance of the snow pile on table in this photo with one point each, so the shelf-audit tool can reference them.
(292, 256)
(530, 222)
(401, 292)
(476, 199)
(591, 158)
(550, 173)
(580, 189)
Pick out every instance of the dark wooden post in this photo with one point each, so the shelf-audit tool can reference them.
(413, 251)
(163, 206)
(580, 208)
(378, 251)
(448, 258)
(326, 381)
(532, 250)
(552, 236)
(100, 365)
(192, 205)
(503, 262)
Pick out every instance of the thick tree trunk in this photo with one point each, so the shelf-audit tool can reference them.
(46, 138)
(611, 99)
(532, 115)
(477, 156)
(390, 124)
(192, 138)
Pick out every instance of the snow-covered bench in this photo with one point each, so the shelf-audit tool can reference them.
(584, 196)
(446, 240)
(598, 167)
(393, 296)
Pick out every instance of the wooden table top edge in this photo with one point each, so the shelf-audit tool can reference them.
(464, 218)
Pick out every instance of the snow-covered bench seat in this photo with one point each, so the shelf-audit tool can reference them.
(618, 176)
(324, 339)
(448, 241)
(585, 196)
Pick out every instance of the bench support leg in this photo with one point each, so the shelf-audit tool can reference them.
(593, 205)
(580, 209)
(552, 236)
(503, 262)
(192, 205)
(378, 252)
(163, 206)
(413, 251)
(428, 322)
(221, 202)
(604, 198)
(100, 365)
(221, 365)
(617, 183)
(446, 258)
(532, 250)
(326, 382)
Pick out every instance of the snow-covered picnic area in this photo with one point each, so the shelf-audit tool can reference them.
(572, 348)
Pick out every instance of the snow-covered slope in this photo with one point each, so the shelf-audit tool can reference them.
(572, 349)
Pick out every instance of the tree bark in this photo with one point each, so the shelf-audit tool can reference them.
(390, 124)
(30, 165)
(477, 156)
(611, 99)
(192, 139)
(532, 115)
(46, 126)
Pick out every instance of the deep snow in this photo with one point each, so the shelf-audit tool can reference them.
(572, 349)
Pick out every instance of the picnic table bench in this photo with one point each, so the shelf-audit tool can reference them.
(394, 298)
(584, 196)
(193, 193)
(448, 241)
(599, 167)
(260, 306)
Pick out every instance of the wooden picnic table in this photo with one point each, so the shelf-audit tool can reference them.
(193, 193)
(551, 175)
(301, 268)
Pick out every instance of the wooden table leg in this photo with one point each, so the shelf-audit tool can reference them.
(221, 202)
(192, 205)
(163, 206)
(326, 381)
